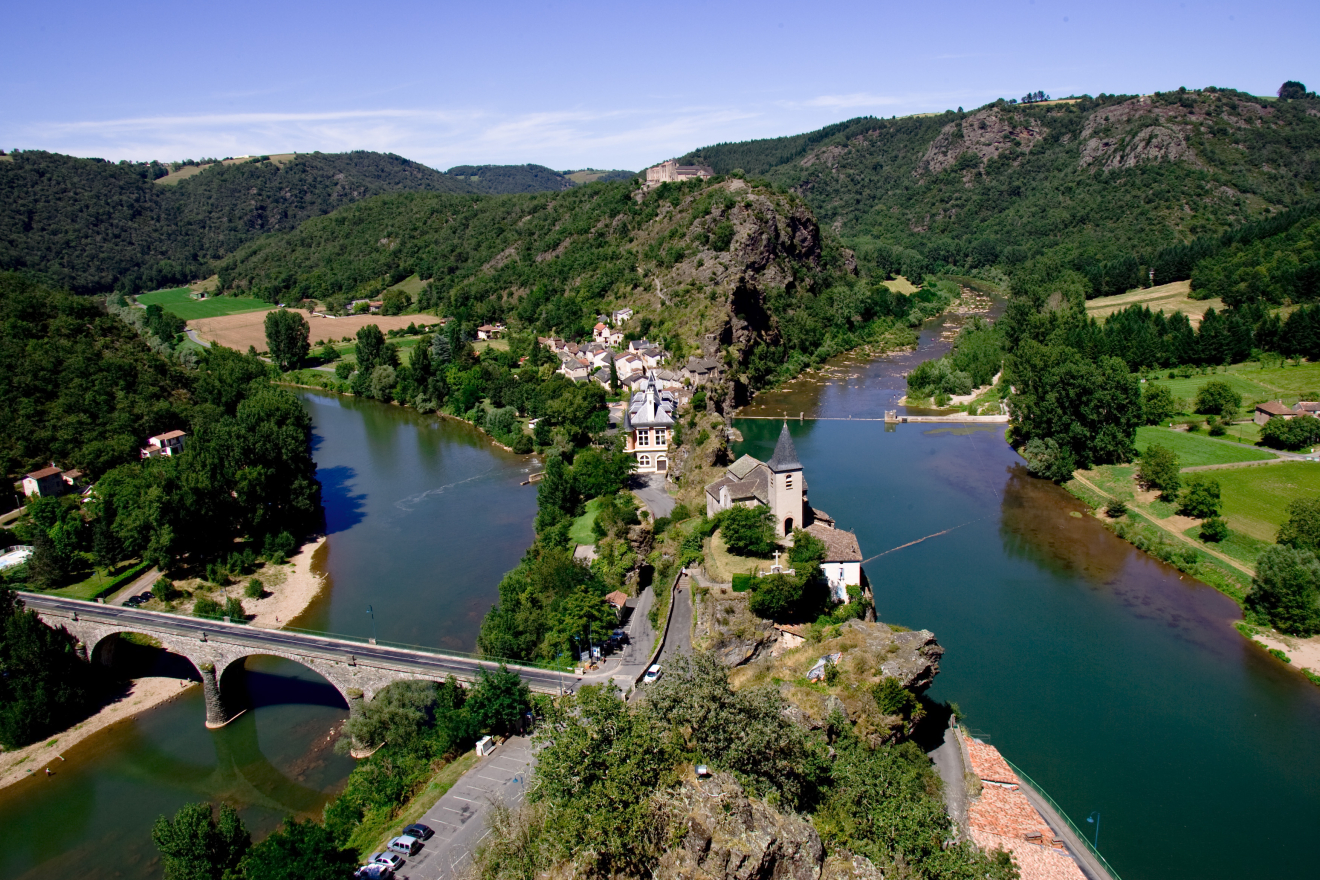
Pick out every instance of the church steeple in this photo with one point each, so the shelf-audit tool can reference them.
(785, 457)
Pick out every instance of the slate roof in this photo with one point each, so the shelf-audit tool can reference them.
(743, 466)
(785, 457)
(651, 408)
(755, 487)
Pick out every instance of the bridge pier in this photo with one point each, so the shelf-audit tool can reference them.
(216, 714)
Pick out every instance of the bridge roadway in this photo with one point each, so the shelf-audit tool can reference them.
(357, 669)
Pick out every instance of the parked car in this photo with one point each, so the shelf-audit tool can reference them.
(652, 674)
(419, 831)
(374, 871)
(393, 860)
(404, 845)
(133, 601)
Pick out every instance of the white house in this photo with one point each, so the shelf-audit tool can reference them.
(167, 444)
(620, 316)
(45, 483)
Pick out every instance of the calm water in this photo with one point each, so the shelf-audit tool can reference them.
(424, 516)
(1117, 684)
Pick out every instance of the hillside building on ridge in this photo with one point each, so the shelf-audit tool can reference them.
(672, 172)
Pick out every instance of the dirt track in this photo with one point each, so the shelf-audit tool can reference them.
(249, 328)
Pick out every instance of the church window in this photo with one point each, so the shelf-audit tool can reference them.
(643, 461)
(788, 481)
(643, 437)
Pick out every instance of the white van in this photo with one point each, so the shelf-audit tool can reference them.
(404, 845)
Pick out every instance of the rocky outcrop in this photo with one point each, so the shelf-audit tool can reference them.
(870, 653)
(1140, 132)
(984, 135)
(727, 628)
(719, 833)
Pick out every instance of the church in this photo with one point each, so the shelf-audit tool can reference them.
(780, 485)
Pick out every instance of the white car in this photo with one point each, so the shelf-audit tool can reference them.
(374, 871)
(391, 860)
(652, 674)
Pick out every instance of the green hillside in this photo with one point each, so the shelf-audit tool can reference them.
(1104, 186)
(91, 225)
(498, 180)
(706, 263)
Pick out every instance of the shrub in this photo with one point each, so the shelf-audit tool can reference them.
(208, 607)
(1116, 509)
(343, 370)
(1157, 403)
(254, 589)
(1285, 589)
(278, 548)
(1214, 530)
(1301, 531)
(164, 590)
(748, 531)
(743, 582)
(893, 698)
(234, 609)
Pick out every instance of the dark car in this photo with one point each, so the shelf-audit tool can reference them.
(419, 831)
(134, 601)
(147, 596)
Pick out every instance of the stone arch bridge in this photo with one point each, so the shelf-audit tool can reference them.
(357, 670)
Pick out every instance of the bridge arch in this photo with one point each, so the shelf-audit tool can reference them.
(234, 682)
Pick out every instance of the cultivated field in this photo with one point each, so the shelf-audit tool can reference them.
(1254, 383)
(1194, 450)
(1255, 499)
(241, 331)
(178, 302)
(1167, 298)
(187, 171)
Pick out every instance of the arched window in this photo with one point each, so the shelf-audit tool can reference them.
(643, 461)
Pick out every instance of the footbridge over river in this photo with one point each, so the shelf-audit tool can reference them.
(358, 670)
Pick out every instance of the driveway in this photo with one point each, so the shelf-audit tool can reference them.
(459, 818)
(140, 583)
(651, 489)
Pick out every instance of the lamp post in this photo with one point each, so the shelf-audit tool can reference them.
(1095, 817)
(373, 624)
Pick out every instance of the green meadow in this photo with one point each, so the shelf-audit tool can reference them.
(177, 301)
(1194, 450)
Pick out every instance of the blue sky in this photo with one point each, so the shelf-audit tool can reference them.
(573, 85)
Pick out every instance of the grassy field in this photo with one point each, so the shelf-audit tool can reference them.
(1255, 499)
(901, 285)
(1255, 382)
(581, 532)
(412, 285)
(178, 301)
(378, 826)
(1167, 298)
(187, 171)
(497, 344)
(1194, 450)
(724, 565)
(1243, 548)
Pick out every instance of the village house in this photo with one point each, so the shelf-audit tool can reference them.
(780, 485)
(620, 316)
(1272, 409)
(672, 172)
(1307, 408)
(490, 331)
(698, 370)
(647, 424)
(45, 483)
(167, 444)
(572, 367)
(606, 335)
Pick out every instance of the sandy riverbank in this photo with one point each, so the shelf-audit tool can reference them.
(290, 589)
(140, 695)
(1304, 653)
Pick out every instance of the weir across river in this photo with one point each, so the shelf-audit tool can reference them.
(358, 670)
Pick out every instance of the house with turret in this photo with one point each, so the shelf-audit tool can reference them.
(648, 425)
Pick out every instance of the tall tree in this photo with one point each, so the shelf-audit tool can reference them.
(370, 348)
(288, 338)
(301, 850)
(194, 846)
(44, 686)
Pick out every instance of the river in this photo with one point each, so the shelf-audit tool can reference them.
(1114, 681)
(424, 515)
(1117, 684)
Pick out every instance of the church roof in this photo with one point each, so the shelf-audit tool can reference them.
(840, 545)
(785, 457)
(743, 466)
(754, 487)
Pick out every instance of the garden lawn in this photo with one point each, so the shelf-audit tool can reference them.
(178, 302)
(581, 532)
(1194, 450)
(1256, 499)
(1243, 548)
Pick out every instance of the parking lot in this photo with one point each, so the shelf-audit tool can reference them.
(459, 818)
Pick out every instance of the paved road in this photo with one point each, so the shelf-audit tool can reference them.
(459, 818)
(949, 762)
(192, 334)
(431, 664)
(143, 582)
(651, 489)
(679, 639)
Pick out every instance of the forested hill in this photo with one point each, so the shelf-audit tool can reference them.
(1101, 185)
(699, 262)
(498, 180)
(90, 225)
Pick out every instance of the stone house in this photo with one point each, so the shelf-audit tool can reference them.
(1272, 409)
(672, 172)
(698, 370)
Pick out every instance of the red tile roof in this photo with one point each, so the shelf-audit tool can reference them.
(45, 472)
(617, 599)
(988, 764)
(1274, 408)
